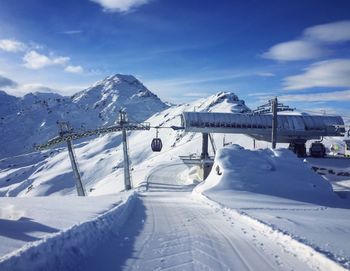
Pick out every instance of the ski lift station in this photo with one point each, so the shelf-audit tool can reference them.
(293, 129)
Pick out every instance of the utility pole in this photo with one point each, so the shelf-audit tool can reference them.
(274, 103)
(65, 129)
(122, 122)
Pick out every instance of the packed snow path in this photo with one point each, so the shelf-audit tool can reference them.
(169, 230)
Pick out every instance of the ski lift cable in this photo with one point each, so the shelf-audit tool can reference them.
(159, 127)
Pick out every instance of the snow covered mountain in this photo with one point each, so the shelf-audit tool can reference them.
(261, 199)
(106, 97)
(33, 118)
(101, 159)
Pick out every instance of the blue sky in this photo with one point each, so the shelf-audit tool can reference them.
(182, 50)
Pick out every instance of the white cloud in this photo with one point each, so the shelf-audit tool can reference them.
(34, 60)
(26, 88)
(311, 44)
(74, 69)
(14, 46)
(332, 32)
(330, 73)
(72, 32)
(294, 50)
(120, 5)
(196, 94)
(265, 74)
(317, 97)
(23, 89)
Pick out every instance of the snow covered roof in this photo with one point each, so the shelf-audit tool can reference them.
(259, 126)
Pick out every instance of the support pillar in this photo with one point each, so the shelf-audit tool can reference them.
(204, 153)
(274, 103)
(127, 182)
(206, 164)
(78, 182)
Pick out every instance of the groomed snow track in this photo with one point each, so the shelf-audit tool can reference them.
(172, 229)
(169, 228)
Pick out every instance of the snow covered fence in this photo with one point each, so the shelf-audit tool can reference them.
(65, 249)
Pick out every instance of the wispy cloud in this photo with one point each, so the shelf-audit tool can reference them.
(18, 89)
(331, 32)
(74, 69)
(312, 44)
(72, 32)
(209, 76)
(265, 74)
(317, 97)
(294, 50)
(120, 5)
(6, 82)
(196, 94)
(10, 45)
(35, 60)
(330, 73)
(26, 88)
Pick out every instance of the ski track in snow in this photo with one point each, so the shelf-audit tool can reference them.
(168, 227)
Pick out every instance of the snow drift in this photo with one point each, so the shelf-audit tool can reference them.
(65, 249)
(271, 172)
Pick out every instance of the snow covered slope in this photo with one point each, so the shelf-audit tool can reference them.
(33, 118)
(278, 189)
(101, 159)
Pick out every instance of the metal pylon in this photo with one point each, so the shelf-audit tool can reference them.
(64, 129)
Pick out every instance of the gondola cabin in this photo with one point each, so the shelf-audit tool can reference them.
(156, 144)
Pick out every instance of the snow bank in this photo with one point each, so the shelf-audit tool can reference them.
(279, 190)
(65, 249)
(271, 172)
(314, 258)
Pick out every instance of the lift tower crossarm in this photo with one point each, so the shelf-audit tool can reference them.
(67, 135)
(100, 131)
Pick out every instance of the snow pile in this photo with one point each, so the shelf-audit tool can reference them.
(270, 172)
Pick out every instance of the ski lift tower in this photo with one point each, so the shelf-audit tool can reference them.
(67, 135)
(123, 122)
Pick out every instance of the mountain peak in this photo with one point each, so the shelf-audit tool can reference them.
(121, 78)
(224, 99)
(120, 85)
(108, 95)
